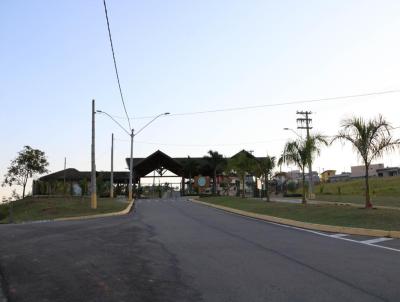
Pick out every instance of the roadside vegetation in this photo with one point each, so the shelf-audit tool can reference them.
(337, 215)
(31, 209)
(370, 139)
(384, 191)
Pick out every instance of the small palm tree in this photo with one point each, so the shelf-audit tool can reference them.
(371, 139)
(265, 166)
(241, 165)
(216, 161)
(190, 167)
(301, 153)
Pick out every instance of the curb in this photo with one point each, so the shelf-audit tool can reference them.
(125, 211)
(307, 225)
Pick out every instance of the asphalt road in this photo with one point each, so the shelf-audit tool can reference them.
(174, 250)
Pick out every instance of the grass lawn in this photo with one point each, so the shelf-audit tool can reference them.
(323, 214)
(390, 201)
(30, 209)
(385, 191)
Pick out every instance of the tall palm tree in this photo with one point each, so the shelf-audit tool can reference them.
(371, 139)
(216, 161)
(302, 152)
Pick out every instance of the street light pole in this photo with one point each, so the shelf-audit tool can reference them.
(290, 129)
(93, 199)
(132, 134)
(112, 167)
(130, 194)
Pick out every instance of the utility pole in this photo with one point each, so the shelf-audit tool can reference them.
(65, 168)
(305, 123)
(93, 202)
(130, 189)
(112, 167)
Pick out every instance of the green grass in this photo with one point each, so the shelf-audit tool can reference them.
(385, 191)
(30, 209)
(379, 186)
(338, 215)
(390, 201)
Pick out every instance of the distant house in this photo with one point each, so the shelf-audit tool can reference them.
(327, 174)
(389, 171)
(296, 175)
(359, 171)
(340, 177)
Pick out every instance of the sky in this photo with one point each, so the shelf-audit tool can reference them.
(186, 56)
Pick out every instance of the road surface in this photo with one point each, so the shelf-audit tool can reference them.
(175, 250)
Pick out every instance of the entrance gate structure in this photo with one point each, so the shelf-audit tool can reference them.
(160, 163)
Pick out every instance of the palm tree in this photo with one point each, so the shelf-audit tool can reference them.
(371, 139)
(301, 153)
(216, 161)
(264, 168)
(189, 167)
(242, 164)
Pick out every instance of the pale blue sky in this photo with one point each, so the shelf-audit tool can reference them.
(181, 56)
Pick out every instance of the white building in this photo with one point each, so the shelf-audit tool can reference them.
(359, 171)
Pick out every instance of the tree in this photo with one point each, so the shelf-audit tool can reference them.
(28, 163)
(241, 165)
(216, 161)
(301, 152)
(190, 167)
(371, 139)
(265, 166)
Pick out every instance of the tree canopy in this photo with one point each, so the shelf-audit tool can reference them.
(29, 162)
(370, 139)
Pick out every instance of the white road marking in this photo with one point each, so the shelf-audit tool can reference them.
(376, 240)
(306, 230)
(339, 235)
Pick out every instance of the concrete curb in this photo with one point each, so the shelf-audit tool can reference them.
(123, 212)
(307, 225)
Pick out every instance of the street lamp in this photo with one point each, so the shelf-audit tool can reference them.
(290, 129)
(132, 134)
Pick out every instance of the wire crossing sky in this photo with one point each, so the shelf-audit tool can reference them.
(232, 74)
(115, 64)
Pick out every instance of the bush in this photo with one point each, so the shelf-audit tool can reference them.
(4, 211)
(291, 186)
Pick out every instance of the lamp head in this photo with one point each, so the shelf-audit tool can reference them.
(99, 111)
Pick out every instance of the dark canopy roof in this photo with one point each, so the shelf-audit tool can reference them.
(157, 160)
(72, 174)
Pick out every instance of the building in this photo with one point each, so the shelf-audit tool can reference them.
(327, 174)
(77, 183)
(359, 171)
(297, 176)
(340, 177)
(389, 171)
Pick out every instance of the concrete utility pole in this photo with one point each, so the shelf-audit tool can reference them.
(93, 203)
(112, 167)
(65, 168)
(305, 123)
(130, 190)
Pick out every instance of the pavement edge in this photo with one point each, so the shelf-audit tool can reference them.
(306, 225)
(125, 211)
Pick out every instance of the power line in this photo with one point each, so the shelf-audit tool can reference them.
(115, 64)
(218, 145)
(276, 104)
